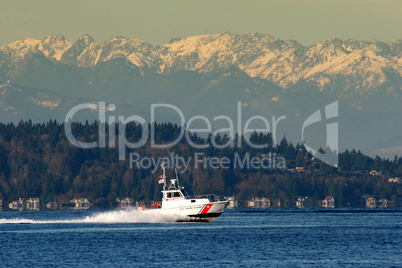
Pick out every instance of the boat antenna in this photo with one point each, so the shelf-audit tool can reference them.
(174, 163)
(164, 176)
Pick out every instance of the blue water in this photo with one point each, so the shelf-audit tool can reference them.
(262, 238)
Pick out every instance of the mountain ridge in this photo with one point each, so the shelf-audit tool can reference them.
(208, 75)
(368, 63)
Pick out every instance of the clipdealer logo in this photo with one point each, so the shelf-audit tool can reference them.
(330, 156)
(331, 111)
(186, 128)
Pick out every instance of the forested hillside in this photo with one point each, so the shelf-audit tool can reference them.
(36, 160)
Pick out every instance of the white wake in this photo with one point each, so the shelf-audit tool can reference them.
(116, 216)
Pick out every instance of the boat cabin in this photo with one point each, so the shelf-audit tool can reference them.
(175, 194)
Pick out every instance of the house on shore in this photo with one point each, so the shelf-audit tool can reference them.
(302, 202)
(125, 202)
(233, 202)
(18, 205)
(32, 204)
(371, 202)
(384, 203)
(328, 202)
(81, 203)
(257, 202)
(21, 204)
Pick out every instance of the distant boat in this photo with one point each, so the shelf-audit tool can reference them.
(176, 201)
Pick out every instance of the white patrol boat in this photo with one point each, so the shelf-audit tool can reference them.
(175, 201)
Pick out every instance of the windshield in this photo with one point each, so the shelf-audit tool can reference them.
(185, 194)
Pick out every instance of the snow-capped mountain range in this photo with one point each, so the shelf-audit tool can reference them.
(208, 75)
(367, 64)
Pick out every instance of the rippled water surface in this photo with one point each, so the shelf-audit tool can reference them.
(275, 238)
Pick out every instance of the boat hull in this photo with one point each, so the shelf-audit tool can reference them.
(193, 212)
(205, 217)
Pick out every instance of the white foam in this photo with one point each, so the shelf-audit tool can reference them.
(116, 216)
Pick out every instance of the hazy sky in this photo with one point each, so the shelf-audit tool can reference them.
(306, 21)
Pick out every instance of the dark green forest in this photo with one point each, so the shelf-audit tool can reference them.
(37, 160)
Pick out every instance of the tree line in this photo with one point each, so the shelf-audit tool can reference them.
(37, 160)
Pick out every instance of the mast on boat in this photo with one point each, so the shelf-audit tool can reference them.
(164, 176)
(175, 170)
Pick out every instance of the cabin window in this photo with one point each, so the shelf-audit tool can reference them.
(176, 194)
(169, 195)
